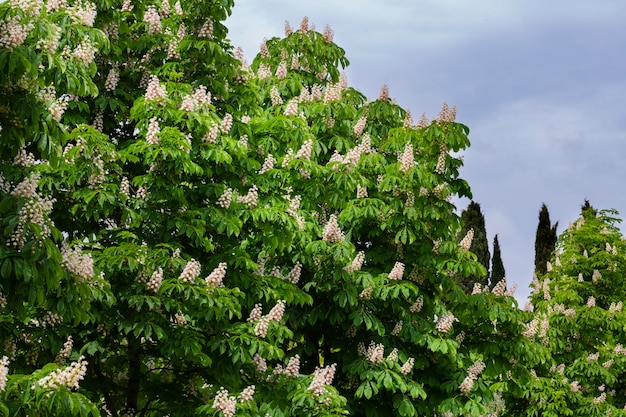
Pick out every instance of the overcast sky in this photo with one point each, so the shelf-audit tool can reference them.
(541, 85)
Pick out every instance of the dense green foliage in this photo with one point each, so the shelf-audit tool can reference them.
(545, 240)
(186, 234)
(578, 316)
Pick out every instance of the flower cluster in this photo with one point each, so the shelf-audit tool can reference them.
(155, 91)
(375, 352)
(416, 307)
(444, 322)
(360, 126)
(68, 377)
(305, 150)
(321, 377)
(84, 14)
(154, 283)
(199, 99)
(78, 263)
(294, 275)
(13, 33)
(292, 107)
(217, 275)
(275, 96)
(268, 164)
(191, 271)
(397, 328)
(227, 123)
(206, 31)
(357, 262)
(281, 70)
(85, 51)
(251, 198)
(4, 372)
(500, 287)
(328, 34)
(384, 93)
(35, 210)
(225, 403)
(397, 271)
(466, 242)
(152, 18)
(332, 233)
(292, 369)
(408, 366)
(112, 79)
(259, 363)
(407, 159)
(446, 114)
(65, 352)
(247, 394)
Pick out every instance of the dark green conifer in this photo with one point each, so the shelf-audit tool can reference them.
(473, 218)
(497, 267)
(545, 240)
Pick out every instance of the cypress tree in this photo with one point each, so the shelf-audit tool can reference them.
(545, 240)
(497, 267)
(473, 218)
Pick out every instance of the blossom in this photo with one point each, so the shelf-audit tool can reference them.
(466, 242)
(321, 377)
(225, 403)
(331, 232)
(154, 283)
(13, 33)
(408, 366)
(305, 150)
(152, 135)
(112, 79)
(191, 271)
(259, 363)
(4, 372)
(397, 271)
(359, 126)
(446, 114)
(466, 386)
(78, 263)
(275, 96)
(357, 262)
(444, 323)
(68, 377)
(361, 192)
(397, 328)
(375, 352)
(85, 51)
(407, 159)
(416, 307)
(328, 33)
(268, 164)
(292, 107)
(217, 275)
(247, 394)
(293, 366)
(281, 71)
(276, 313)
(152, 18)
(251, 198)
(155, 90)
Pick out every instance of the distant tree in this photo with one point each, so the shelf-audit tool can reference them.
(578, 315)
(497, 267)
(545, 240)
(473, 219)
(587, 206)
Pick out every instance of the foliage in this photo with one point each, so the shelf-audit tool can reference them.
(545, 240)
(578, 316)
(184, 234)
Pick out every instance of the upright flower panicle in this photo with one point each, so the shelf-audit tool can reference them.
(407, 159)
(331, 232)
(217, 275)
